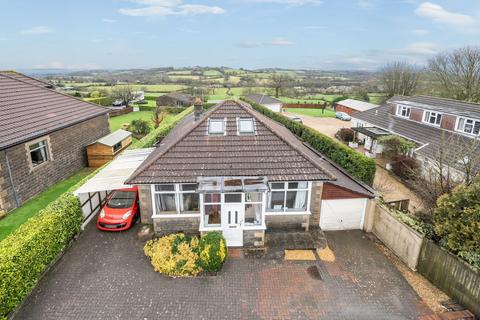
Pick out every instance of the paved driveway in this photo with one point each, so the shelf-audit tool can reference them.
(106, 276)
(327, 126)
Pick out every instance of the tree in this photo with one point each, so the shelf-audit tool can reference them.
(158, 116)
(278, 82)
(123, 93)
(458, 73)
(399, 78)
(139, 128)
(457, 218)
(394, 145)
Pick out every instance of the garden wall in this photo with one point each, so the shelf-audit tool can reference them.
(405, 242)
(454, 276)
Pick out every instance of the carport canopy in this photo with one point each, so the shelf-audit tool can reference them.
(114, 175)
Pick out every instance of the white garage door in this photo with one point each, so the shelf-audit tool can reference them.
(344, 214)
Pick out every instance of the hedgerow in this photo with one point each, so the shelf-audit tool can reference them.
(352, 161)
(165, 127)
(29, 250)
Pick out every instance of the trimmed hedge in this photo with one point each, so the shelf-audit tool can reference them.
(352, 161)
(28, 251)
(165, 127)
(213, 251)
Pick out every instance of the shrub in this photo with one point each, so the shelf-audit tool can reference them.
(395, 145)
(345, 134)
(405, 167)
(139, 127)
(174, 255)
(95, 94)
(352, 161)
(30, 249)
(457, 218)
(213, 251)
(165, 127)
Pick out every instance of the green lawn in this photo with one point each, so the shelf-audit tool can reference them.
(327, 113)
(30, 208)
(116, 122)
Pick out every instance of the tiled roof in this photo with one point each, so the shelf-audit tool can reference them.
(262, 99)
(193, 153)
(454, 107)
(29, 109)
(430, 138)
(357, 104)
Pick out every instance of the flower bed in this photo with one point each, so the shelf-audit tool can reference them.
(178, 255)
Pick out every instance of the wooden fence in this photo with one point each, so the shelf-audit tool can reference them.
(304, 105)
(119, 112)
(454, 276)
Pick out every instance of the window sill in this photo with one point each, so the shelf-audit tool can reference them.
(287, 213)
(176, 215)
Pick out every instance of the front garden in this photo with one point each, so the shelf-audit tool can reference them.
(178, 255)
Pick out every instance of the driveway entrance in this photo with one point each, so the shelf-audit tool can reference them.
(106, 276)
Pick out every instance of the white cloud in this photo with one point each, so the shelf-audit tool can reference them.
(281, 42)
(37, 30)
(420, 49)
(438, 14)
(420, 32)
(288, 2)
(169, 7)
(366, 3)
(109, 20)
(61, 65)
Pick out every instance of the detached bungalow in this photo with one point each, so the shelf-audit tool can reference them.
(266, 101)
(175, 99)
(43, 136)
(234, 170)
(352, 106)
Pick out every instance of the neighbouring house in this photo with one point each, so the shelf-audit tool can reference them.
(266, 101)
(234, 170)
(43, 136)
(175, 99)
(352, 106)
(106, 148)
(432, 123)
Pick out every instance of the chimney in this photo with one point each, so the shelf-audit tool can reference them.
(198, 105)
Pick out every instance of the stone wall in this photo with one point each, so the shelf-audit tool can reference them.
(287, 222)
(187, 225)
(67, 155)
(146, 209)
(405, 242)
(315, 204)
(253, 238)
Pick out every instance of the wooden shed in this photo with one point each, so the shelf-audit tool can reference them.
(105, 149)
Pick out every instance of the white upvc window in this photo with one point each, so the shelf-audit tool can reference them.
(175, 198)
(217, 127)
(245, 126)
(253, 208)
(288, 196)
(403, 111)
(212, 209)
(433, 118)
(38, 153)
(469, 126)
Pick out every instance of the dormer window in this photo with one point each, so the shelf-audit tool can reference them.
(433, 118)
(403, 111)
(470, 126)
(246, 126)
(216, 126)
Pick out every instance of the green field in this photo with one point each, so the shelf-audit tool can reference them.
(327, 113)
(116, 122)
(18, 216)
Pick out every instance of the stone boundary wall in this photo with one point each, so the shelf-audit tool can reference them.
(449, 273)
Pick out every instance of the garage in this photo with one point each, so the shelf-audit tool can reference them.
(342, 214)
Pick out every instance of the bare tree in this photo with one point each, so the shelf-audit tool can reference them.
(158, 116)
(123, 93)
(456, 161)
(399, 78)
(458, 73)
(278, 82)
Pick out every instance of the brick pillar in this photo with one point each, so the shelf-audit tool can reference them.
(315, 204)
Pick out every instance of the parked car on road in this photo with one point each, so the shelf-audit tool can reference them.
(121, 210)
(343, 116)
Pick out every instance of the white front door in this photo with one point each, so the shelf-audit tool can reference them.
(232, 223)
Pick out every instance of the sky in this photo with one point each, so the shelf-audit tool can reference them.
(303, 34)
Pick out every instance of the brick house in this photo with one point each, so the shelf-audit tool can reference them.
(43, 138)
(175, 99)
(232, 169)
(434, 124)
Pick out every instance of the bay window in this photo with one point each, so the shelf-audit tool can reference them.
(176, 199)
(288, 196)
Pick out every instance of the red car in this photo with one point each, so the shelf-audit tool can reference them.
(121, 210)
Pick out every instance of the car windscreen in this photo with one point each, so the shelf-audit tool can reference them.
(121, 199)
